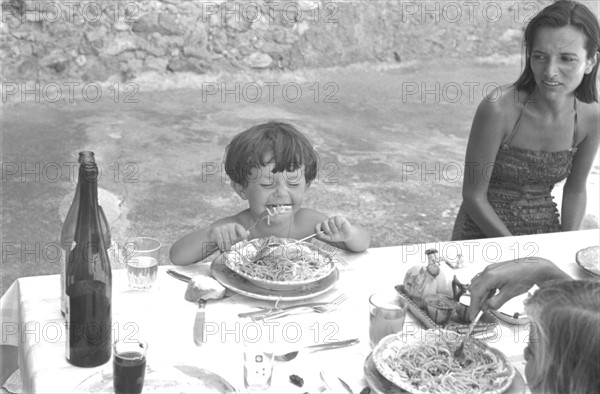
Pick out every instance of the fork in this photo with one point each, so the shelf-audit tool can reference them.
(459, 353)
(212, 247)
(331, 305)
(293, 243)
(318, 308)
(307, 238)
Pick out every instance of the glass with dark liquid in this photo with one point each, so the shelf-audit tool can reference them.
(129, 366)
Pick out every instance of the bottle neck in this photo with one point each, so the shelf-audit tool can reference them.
(88, 219)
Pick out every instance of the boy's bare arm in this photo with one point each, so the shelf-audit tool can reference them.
(191, 248)
(338, 231)
(359, 239)
(200, 244)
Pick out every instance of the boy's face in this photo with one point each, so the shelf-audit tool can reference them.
(266, 189)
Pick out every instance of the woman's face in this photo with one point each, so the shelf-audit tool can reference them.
(559, 60)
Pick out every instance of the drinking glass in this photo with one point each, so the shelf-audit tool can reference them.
(258, 365)
(387, 312)
(141, 256)
(129, 366)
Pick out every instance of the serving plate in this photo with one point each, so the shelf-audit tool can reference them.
(241, 285)
(392, 343)
(380, 385)
(234, 263)
(162, 378)
(486, 323)
(588, 260)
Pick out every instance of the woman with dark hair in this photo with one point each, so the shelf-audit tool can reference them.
(543, 129)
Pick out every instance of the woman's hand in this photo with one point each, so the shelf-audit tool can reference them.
(512, 278)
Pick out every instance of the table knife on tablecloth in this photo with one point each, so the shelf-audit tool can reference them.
(200, 313)
(199, 322)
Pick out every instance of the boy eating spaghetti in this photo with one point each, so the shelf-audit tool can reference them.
(271, 166)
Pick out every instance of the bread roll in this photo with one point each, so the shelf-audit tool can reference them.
(205, 288)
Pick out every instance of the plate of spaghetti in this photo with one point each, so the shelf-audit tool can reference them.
(588, 260)
(424, 362)
(278, 263)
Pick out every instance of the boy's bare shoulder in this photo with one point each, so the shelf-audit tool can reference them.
(309, 214)
(242, 218)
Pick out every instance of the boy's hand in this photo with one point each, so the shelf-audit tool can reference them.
(335, 229)
(227, 235)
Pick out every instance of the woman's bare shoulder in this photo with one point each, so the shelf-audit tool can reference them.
(502, 103)
(498, 112)
(588, 117)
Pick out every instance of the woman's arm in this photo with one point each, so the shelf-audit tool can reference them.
(574, 192)
(486, 135)
(512, 278)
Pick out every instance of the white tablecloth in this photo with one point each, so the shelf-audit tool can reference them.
(32, 321)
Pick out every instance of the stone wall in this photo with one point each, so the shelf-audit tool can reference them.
(100, 40)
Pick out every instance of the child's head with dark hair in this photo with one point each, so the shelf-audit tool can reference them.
(275, 143)
(558, 15)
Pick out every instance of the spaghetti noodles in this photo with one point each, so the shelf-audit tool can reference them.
(280, 262)
(430, 366)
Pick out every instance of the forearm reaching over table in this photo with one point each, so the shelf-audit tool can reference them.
(512, 278)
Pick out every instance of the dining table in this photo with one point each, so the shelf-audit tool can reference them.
(32, 320)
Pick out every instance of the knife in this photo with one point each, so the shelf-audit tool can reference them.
(199, 322)
(179, 276)
(200, 313)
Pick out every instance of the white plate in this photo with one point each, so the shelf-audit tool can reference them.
(512, 307)
(389, 346)
(162, 378)
(241, 285)
(380, 385)
(588, 260)
(320, 248)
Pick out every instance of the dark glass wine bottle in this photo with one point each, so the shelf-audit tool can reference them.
(67, 235)
(88, 281)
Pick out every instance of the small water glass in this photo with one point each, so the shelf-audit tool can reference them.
(141, 255)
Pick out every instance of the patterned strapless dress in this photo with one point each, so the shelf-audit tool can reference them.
(520, 190)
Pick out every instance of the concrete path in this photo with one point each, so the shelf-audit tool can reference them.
(391, 139)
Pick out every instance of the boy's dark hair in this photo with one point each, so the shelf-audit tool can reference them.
(560, 14)
(280, 142)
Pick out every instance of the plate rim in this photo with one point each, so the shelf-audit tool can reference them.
(107, 370)
(390, 338)
(587, 270)
(274, 295)
(519, 321)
